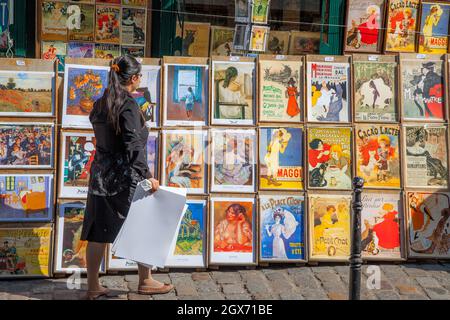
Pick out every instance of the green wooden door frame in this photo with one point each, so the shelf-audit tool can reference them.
(331, 35)
(164, 22)
(23, 31)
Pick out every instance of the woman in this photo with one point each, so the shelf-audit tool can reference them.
(278, 144)
(120, 164)
(432, 20)
(292, 93)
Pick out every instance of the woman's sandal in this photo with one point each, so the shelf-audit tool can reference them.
(94, 295)
(147, 290)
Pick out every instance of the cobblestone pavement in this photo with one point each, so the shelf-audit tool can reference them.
(398, 282)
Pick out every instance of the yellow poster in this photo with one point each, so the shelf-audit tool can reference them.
(195, 39)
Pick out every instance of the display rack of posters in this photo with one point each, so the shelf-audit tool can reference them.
(195, 38)
(278, 42)
(221, 43)
(434, 27)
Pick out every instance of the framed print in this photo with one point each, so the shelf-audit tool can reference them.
(260, 11)
(375, 88)
(184, 160)
(381, 230)
(428, 223)
(232, 231)
(364, 20)
(153, 153)
(148, 95)
(120, 264)
(221, 43)
(188, 249)
(77, 155)
(26, 197)
(80, 50)
(70, 255)
(106, 51)
(26, 145)
(241, 37)
(278, 42)
(85, 31)
(195, 38)
(135, 51)
(282, 228)
(303, 42)
(134, 24)
(27, 93)
(401, 25)
(242, 10)
(186, 88)
(426, 156)
(107, 28)
(232, 92)
(329, 227)
(135, 3)
(378, 155)
(330, 158)
(233, 160)
(259, 37)
(434, 20)
(54, 21)
(83, 85)
(422, 87)
(25, 252)
(280, 158)
(327, 85)
(52, 50)
(280, 89)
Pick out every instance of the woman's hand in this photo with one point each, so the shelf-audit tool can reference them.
(155, 184)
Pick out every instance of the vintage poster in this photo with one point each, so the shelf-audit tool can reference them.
(364, 20)
(280, 91)
(133, 26)
(135, 51)
(241, 37)
(428, 225)
(184, 160)
(106, 51)
(195, 39)
(434, 20)
(378, 155)
(221, 41)
(135, 3)
(26, 145)
(426, 156)
(242, 10)
(26, 197)
(422, 88)
(329, 222)
(260, 11)
(25, 252)
(70, 255)
(186, 94)
(330, 158)
(83, 85)
(233, 231)
(153, 153)
(278, 42)
(401, 25)
(148, 95)
(281, 158)
(375, 91)
(302, 42)
(232, 92)
(327, 92)
(26, 93)
(107, 28)
(77, 155)
(84, 31)
(108, 1)
(52, 50)
(54, 21)
(381, 226)
(282, 228)
(80, 50)
(233, 160)
(189, 247)
(258, 41)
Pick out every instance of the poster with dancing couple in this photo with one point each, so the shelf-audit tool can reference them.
(282, 228)
(232, 231)
(422, 87)
(280, 89)
(281, 158)
(330, 158)
(434, 27)
(327, 84)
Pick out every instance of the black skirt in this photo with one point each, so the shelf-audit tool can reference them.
(105, 215)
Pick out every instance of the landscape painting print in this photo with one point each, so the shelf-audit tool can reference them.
(26, 197)
(233, 92)
(329, 222)
(401, 25)
(189, 247)
(25, 252)
(375, 90)
(83, 85)
(233, 160)
(148, 95)
(364, 20)
(280, 91)
(327, 92)
(330, 158)
(434, 21)
(281, 159)
(428, 223)
(186, 94)
(26, 93)
(184, 160)
(54, 21)
(107, 24)
(282, 229)
(381, 226)
(232, 231)
(426, 156)
(378, 155)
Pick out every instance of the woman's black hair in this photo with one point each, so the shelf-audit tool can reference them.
(230, 73)
(122, 70)
(314, 144)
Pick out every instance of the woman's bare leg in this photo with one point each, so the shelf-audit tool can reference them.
(146, 279)
(94, 256)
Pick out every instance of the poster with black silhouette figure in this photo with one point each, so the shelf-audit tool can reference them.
(194, 38)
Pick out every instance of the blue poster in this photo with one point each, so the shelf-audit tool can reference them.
(190, 239)
(434, 28)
